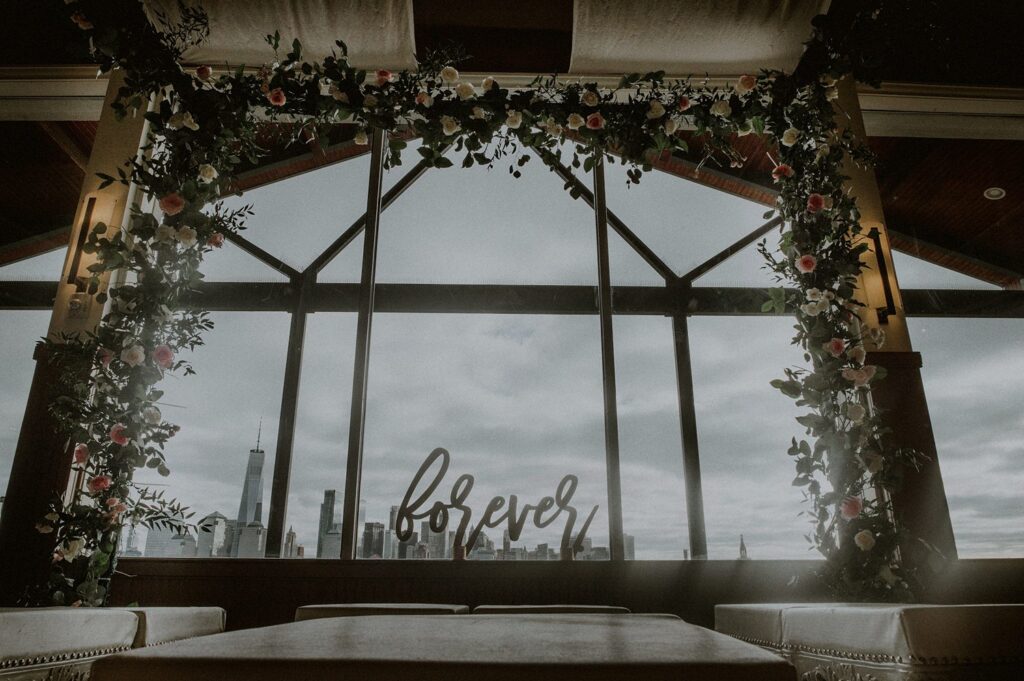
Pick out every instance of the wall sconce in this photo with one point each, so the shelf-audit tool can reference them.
(883, 271)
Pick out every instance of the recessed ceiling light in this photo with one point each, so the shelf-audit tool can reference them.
(994, 193)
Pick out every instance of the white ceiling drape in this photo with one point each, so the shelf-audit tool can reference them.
(379, 33)
(690, 37)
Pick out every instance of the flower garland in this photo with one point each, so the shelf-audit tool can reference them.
(204, 127)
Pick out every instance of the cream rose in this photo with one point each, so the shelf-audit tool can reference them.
(789, 137)
(575, 121)
(479, 113)
(449, 125)
(133, 355)
(590, 98)
(670, 126)
(514, 119)
(152, 415)
(865, 540)
(207, 173)
(186, 236)
(449, 74)
(361, 138)
(465, 91)
(655, 110)
(487, 84)
(855, 412)
(721, 108)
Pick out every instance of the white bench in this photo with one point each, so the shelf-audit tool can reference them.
(39, 644)
(324, 610)
(885, 642)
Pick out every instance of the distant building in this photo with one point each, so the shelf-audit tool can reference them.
(329, 545)
(252, 541)
(186, 545)
(213, 538)
(289, 544)
(373, 540)
(327, 523)
(743, 550)
(250, 506)
(162, 542)
(629, 546)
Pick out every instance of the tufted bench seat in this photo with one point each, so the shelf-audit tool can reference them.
(321, 611)
(63, 643)
(47, 643)
(885, 642)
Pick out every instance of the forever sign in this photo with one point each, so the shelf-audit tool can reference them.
(498, 510)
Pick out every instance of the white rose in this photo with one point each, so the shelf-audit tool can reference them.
(721, 108)
(810, 309)
(514, 119)
(813, 295)
(164, 233)
(369, 101)
(790, 136)
(670, 126)
(361, 138)
(590, 98)
(855, 411)
(575, 121)
(864, 540)
(553, 127)
(449, 74)
(152, 415)
(133, 355)
(479, 113)
(186, 236)
(73, 548)
(207, 173)
(465, 91)
(655, 110)
(487, 84)
(449, 125)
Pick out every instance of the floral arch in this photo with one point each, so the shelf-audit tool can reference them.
(203, 126)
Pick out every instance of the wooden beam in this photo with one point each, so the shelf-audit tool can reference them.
(66, 144)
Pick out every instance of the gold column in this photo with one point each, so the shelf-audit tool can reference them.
(864, 187)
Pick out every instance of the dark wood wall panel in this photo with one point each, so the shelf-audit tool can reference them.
(265, 592)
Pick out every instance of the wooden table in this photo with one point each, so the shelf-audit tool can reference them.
(451, 648)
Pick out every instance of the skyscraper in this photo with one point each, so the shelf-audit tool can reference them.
(373, 540)
(289, 543)
(629, 546)
(326, 523)
(250, 507)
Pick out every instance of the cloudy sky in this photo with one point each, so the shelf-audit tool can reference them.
(516, 399)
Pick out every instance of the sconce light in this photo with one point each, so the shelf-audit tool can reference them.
(883, 271)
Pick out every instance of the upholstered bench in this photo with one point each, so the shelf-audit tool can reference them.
(883, 642)
(549, 609)
(60, 643)
(165, 624)
(313, 612)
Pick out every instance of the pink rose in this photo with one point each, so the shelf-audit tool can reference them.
(100, 483)
(163, 355)
(780, 171)
(815, 202)
(869, 372)
(276, 97)
(595, 121)
(383, 77)
(684, 103)
(216, 240)
(117, 434)
(172, 204)
(105, 356)
(81, 454)
(806, 263)
(835, 347)
(424, 99)
(851, 507)
(203, 72)
(746, 84)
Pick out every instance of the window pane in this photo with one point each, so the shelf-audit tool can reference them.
(746, 268)
(19, 331)
(917, 273)
(231, 263)
(744, 428)
(480, 226)
(216, 468)
(972, 372)
(43, 267)
(320, 451)
(653, 492)
(297, 218)
(682, 221)
(515, 399)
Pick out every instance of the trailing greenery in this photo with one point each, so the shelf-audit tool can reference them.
(204, 126)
